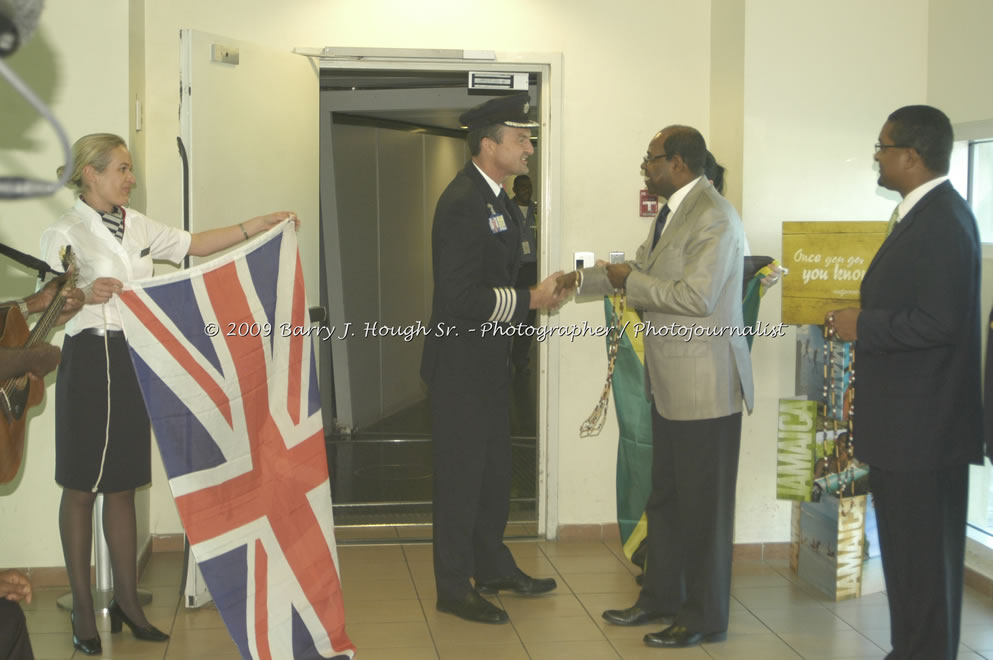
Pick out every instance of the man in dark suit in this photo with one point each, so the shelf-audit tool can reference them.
(687, 274)
(527, 276)
(476, 244)
(918, 408)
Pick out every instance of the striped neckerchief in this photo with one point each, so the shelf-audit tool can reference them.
(114, 221)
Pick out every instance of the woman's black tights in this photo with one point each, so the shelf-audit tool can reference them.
(120, 531)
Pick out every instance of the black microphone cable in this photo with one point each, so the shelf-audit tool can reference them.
(12, 187)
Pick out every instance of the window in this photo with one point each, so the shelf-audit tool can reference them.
(971, 173)
(981, 186)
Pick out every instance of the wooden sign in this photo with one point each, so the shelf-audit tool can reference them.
(826, 262)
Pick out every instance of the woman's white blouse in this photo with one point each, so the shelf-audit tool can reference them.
(99, 254)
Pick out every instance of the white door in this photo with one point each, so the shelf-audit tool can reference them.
(249, 122)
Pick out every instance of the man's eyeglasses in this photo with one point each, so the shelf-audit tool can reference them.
(649, 158)
(880, 146)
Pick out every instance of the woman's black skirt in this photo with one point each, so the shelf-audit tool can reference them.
(87, 456)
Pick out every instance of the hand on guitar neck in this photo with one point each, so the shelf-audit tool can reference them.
(39, 359)
(39, 302)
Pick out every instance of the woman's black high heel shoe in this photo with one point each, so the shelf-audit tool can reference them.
(148, 633)
(88, 646)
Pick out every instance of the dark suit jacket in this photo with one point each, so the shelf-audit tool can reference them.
(988, 391)
(474, 270)
(917, 384)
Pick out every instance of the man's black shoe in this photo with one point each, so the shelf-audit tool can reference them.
(677, 637)
(634, 616)
(473, 607)
(521, 583)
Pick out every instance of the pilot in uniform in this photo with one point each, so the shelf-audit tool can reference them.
(476, 255)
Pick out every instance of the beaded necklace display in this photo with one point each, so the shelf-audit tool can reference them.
(594, 423)
(846, 475)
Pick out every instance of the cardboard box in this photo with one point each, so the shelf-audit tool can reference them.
(832, 547)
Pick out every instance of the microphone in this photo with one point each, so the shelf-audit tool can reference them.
(18, 20)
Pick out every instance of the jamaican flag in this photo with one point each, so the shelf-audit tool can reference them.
(634, 408)
(634, 418)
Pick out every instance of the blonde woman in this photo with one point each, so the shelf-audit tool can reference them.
(102, 439)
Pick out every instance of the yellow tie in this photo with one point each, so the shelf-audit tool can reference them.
(892, 223)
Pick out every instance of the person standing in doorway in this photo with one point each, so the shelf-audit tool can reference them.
(476, 255)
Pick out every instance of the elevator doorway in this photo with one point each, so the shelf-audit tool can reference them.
(390, 143)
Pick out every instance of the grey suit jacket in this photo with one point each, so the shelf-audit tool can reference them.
(692, 279)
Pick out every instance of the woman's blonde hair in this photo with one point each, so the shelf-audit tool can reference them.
(94, 150)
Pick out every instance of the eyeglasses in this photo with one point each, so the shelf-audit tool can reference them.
(879, 146)
(649, 158)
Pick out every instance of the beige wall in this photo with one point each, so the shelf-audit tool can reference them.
(727, 92)
(960, 58)
(815, 84)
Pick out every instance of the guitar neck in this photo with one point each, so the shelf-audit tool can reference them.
(51, 314)
(47, 321)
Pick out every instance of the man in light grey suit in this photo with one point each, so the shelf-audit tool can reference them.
(687, 275)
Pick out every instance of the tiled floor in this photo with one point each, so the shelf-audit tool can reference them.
(390, 614)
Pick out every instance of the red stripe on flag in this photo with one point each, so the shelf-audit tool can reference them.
(308, 554)
(179, 353)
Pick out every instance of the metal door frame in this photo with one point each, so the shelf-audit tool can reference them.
(549, 66)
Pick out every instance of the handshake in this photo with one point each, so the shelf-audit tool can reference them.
(558, 286)
(550, 294)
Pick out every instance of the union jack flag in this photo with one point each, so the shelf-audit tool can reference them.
(232, 394)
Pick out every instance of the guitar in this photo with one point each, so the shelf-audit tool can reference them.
(20, 393)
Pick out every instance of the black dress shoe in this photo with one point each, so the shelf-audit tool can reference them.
(520, 583)
(91, 646)
(147, 633)
(473, 607)
(677, 637)
(633, 616)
